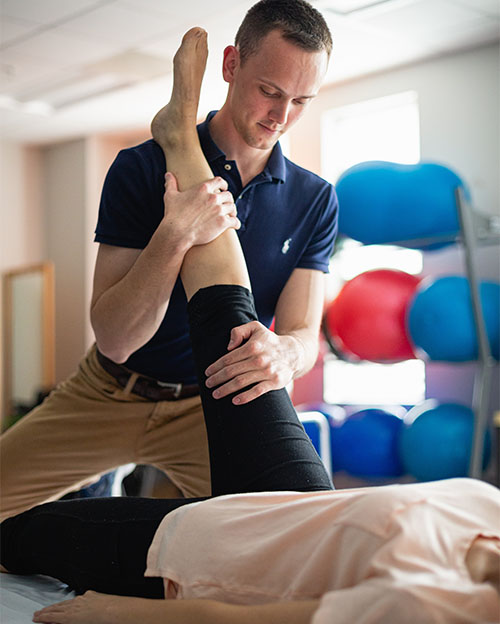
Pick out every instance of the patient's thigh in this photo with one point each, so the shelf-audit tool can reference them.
(98, 544)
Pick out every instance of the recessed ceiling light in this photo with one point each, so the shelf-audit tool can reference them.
(32, 107)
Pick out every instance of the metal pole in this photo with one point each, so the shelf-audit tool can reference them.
(482, 379)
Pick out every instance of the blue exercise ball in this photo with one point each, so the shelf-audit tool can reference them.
(366, 444)
(436, 443)
(441, 322)
(384, 202)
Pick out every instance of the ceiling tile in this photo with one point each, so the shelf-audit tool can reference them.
(418, 18)
(119, 24)
(18, 68)
(11, 29)
(221, 30)
(71, 34)
(195, 9)
(24, 74)
(46, 11)
(161, 7)
(61, 48)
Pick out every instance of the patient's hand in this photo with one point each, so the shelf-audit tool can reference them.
(91, 608)
(94, 608)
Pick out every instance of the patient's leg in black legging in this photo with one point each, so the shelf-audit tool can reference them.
(91, 543)
(260, 445)
(101, 544)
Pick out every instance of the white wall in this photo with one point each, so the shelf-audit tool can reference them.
(460, 127)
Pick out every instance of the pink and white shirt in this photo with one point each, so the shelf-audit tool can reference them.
(392, 554)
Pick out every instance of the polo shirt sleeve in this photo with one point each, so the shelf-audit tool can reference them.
(320, 248)
(128, 203)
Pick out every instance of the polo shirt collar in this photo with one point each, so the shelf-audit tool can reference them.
(274, 170)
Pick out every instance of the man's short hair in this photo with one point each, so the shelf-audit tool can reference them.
(299, 22)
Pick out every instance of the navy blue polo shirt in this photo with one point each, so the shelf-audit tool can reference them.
(288, 219)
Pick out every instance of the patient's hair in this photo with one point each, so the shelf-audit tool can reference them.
(298, 21)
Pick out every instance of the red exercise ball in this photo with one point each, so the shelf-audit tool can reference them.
(367, 319)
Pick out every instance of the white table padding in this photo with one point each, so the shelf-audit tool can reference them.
(21, 596)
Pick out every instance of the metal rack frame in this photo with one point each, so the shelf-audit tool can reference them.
(486, 363)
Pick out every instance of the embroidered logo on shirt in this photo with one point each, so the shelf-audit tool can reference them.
(286, 246)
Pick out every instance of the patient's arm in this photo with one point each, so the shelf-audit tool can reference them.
(94, 608)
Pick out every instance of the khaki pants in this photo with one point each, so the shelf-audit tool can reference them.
(90, 425)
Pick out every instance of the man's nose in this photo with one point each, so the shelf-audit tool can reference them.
(279, 112)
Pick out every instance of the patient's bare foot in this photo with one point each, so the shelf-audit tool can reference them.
(178, 117)
(4, 570)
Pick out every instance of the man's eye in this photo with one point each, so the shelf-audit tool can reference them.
(267, 93)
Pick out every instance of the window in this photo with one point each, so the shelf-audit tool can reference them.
(367, 383)
(385, 128)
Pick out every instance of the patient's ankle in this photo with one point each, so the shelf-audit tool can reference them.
(173, 131)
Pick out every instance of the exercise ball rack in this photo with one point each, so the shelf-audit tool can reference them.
(475, 229)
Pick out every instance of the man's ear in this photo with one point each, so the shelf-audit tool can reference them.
(230, 63)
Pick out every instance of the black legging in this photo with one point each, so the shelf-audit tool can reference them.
(102, 543)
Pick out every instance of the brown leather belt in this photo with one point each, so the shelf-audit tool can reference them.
(145, 386)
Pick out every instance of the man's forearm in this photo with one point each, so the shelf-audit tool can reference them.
(126, 315)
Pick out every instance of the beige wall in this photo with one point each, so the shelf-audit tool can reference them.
(21, 240)
(74, 173)
(64, 195)
(49, 205)
(21, 216)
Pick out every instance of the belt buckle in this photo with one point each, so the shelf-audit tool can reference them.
(176, 387)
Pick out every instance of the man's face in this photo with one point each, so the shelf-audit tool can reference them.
(272, 89)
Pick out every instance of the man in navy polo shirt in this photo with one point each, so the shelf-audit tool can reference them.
(134, 397)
